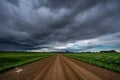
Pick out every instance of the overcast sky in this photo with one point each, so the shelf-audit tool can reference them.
(59, 25)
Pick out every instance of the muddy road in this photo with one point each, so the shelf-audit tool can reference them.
(59, 67)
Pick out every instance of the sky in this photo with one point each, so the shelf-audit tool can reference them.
(59, 25)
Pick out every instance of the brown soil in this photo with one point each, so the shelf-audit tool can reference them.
(59, 67)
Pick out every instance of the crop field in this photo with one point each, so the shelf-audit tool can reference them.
(109, 61)
(12, 59)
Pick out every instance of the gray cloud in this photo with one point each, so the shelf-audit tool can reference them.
(27, 24)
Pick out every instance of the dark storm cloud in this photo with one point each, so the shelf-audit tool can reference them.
(26, 24)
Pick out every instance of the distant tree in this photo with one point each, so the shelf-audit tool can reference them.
(88, 52)
(67, 51)
(111, 51)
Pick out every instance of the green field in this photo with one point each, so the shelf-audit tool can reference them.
(109, 61)
(10, 60)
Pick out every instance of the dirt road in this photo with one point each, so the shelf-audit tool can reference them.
(59, 67)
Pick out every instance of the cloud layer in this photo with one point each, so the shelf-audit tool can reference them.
(38, 24)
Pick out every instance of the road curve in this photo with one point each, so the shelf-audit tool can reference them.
(59, 67)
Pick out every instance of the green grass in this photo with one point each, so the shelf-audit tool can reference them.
(109, 61)
(10, 60)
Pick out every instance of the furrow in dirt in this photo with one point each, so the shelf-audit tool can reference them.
(69, 72)
(81, 72)
(42, 74)
(104, 74)
(56, 71)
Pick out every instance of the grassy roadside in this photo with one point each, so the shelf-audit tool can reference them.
(109, 61)
(10, 60)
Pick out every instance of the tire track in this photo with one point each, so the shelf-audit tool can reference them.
(56, 71)
(79, 71)
(69, 72)
(42, 74)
